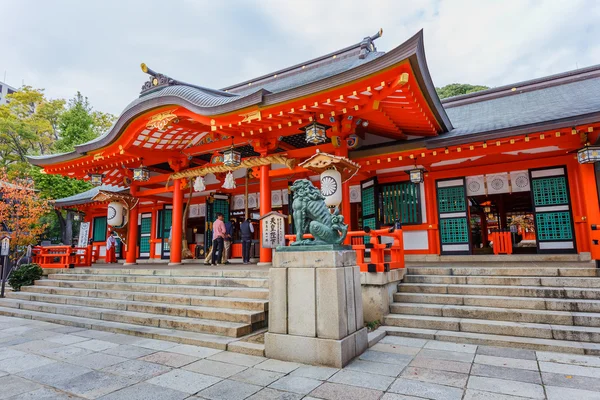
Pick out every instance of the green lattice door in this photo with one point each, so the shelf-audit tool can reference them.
(144, 232)
(400, 202)
(165, 221)
(217, 203)
(370, 204)
(552, 208)
(453, 216)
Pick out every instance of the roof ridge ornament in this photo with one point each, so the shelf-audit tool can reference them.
(156, 81)
(367, 45)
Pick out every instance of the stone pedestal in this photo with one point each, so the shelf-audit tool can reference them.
(315, 307)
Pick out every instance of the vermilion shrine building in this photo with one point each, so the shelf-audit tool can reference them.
(503, 158)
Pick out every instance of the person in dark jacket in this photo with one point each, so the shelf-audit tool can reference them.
(228, 240)
(246, 230)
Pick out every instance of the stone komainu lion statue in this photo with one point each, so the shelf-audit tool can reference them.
(311, 215)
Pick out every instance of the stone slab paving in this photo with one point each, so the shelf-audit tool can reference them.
(43, 361)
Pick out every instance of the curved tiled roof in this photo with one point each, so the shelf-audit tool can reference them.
(317, 75)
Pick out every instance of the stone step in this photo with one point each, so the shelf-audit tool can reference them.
(498, 314)
(225, 328)
(532, 303)
(180, 299)
(511, 271)
(523, 329)
(202, 272)
(501, 290)
(219, 314)
(585, 282)
(243, 292)
(171, 335)
(166, 280)
(553, 345)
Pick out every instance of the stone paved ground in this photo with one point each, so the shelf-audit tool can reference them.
(39, 360)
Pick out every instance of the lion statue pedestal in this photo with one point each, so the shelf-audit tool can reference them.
(315, 298)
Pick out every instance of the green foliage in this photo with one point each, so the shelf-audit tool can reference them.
(80, 124)
(57, 186)
(456, 89)
(372, 325)
(24, 276)
(31, 124)
(24, 129)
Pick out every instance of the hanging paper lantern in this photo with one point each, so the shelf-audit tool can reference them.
(117, 215)
(199, 185)
(331, 187)
(229, 181)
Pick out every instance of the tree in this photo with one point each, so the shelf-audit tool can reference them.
(456, 89)
(80, 124)
(21, 209)
(27, 126)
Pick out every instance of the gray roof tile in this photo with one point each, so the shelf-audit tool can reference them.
(521, 109)
(86, 197)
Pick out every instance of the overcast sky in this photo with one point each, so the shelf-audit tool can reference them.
(96, 46)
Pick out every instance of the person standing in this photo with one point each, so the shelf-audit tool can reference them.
(111, 245)
(246, 230)
(228, 241)
(219, 233)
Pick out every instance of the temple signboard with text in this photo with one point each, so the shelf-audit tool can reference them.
(273, 230)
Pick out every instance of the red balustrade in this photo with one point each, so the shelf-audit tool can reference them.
(378, 251)
(502, 242)
(62, 256)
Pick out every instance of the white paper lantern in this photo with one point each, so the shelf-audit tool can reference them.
(331, 187)
(117, 215)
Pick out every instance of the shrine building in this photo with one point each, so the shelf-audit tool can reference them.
(517, 158)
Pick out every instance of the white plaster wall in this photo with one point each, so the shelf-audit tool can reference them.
(415, 240)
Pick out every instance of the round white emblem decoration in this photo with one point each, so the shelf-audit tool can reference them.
(522, 181)
(239, 203)
(497, 184)
(474, 186)
(354, 195)
(328, 186)
(112, 212)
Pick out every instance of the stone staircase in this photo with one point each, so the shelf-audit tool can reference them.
(551, 307)
(191, 306)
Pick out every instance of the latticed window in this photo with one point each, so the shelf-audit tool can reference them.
(554, 226)
(99, 232)
(550, 191)
(454, 230)
(451, 199)
(401, 201)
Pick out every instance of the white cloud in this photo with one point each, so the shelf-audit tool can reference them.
(96, 46)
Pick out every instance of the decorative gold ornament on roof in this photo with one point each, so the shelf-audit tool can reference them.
(162, 120)
(320, 162)
(251, 116)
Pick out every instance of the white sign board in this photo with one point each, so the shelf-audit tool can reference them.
(84, 234)
(5, 249)
(273, 230)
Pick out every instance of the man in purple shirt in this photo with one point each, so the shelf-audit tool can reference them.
(219, 232)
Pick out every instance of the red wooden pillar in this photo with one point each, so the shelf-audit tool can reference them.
(265, 207)
(132, 237)
(177, 222)
(431, 210)
(346, 211)
(589, 195)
